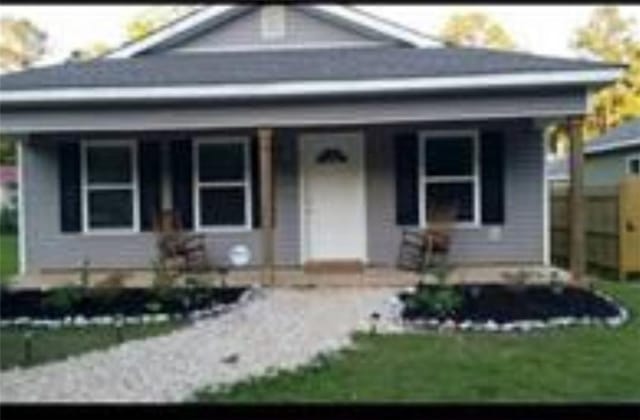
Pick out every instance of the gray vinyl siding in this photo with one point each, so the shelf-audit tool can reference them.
(302, 30)
(48, 248)
(287, 113)
(608, 168)
(522, 234)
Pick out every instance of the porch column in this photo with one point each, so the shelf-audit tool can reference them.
(576, 202)
(265, 140)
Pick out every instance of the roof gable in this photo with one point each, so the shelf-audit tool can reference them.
(199, 30)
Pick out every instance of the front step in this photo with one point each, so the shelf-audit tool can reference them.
(334, 267)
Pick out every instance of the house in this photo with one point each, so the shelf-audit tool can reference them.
(311, 134)
(608, 158)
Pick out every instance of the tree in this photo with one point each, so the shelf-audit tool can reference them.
(610, 37)
(21, 44)
(476, 29)
(153, 18)
(93, 51)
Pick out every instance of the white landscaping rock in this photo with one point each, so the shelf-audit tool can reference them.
(275, 328)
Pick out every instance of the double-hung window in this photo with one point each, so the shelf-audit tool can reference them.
(109, 186)
(449, 175)
(222, 184)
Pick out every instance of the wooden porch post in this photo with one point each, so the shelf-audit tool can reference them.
(577, 243)
(265, 139)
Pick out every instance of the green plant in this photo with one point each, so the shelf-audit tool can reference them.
(63, 299)
(84, 273)
(162, 280)
(440, 301)
(8, 220)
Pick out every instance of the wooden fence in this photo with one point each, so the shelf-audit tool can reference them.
(612, 221)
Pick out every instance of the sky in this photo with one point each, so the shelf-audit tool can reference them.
(541, 29)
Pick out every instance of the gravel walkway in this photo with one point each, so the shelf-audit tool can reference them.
(280, 328)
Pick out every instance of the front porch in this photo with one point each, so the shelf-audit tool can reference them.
(263, 200)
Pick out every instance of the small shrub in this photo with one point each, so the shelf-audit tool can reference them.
(162, 281)
(63, 300)
(440, 301)
(8, 220)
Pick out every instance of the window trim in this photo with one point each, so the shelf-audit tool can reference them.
(628, 160)
(246, 183)
(133, 186)
(423, 179)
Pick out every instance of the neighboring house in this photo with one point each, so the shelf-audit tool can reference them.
(608, 158)
(370, 123)
(8, 187)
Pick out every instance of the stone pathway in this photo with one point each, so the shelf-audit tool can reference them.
(280, 328)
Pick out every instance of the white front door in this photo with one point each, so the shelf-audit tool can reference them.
(332, 197)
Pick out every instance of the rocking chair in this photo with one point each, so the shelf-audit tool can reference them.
(179, 251)
(422, 248)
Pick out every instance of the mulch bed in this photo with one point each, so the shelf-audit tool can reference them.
(37, 304)
(507, 304)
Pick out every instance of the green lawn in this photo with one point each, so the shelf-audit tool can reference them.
(575, 364)
(48, 345)
(8, 256)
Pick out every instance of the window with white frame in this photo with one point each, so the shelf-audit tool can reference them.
(222, 183)
(109, 186)
(449, 176)
(633, 165)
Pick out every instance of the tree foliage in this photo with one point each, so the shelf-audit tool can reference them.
(21, 43)
(476, 29)
(613, 38)
(610, 37)
(153, 18)
(95, 50)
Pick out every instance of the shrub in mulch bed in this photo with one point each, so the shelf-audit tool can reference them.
(499, 307)
(65, 302)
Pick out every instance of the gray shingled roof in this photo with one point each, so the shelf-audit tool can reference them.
(285, 65)
(625, 135)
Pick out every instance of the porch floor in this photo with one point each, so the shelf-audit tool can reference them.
(370, 277)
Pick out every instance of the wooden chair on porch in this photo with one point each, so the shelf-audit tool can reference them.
(423, 248)
(179, 251)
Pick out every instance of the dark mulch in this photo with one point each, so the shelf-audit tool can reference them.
(508, 303)
(125, 301)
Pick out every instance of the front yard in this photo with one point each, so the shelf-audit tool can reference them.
(56, 344)
(559, 365)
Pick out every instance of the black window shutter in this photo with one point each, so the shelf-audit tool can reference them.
(492, 168)
(149, 161)
(69, 165)
(255, 182)
(181, 181)
(406, 171)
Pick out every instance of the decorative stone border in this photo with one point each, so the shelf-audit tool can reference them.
(515, 326)
(149, 318)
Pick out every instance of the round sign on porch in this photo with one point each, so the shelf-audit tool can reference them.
(239, 255)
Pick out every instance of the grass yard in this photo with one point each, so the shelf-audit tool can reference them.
(575, 364)
(8, 256)
(49, 345)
